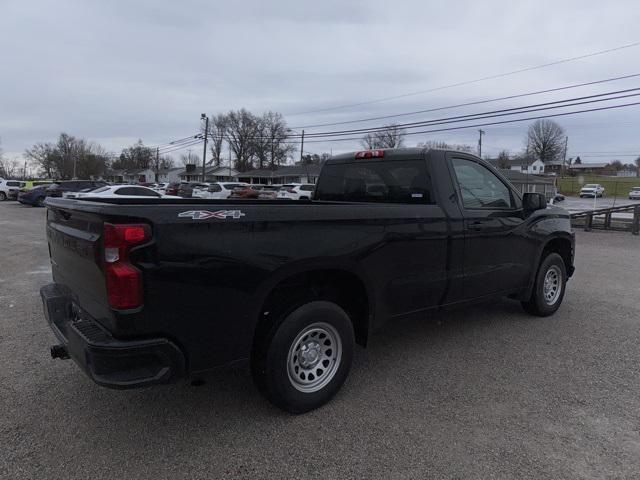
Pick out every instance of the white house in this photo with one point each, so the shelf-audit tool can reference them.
(535, 167)
(170, 175)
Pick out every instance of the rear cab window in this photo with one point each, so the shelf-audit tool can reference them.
(376, 181)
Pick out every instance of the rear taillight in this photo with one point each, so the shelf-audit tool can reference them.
(124, 281)
(291, 190)
(370, 154)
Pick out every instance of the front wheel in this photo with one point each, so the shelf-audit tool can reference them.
(549, 287)
(3, 196)
(304, 359)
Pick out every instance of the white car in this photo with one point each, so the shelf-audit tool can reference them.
(160, 187)
(123, 191)
(10, 188)
(297, 191)
(634, 193)
(592, 190)
(218, 190)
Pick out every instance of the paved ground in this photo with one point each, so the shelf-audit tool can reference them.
(577, 204)
(487, 392)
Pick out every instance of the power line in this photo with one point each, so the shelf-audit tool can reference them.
(489, 114)
(468, 82)
(478, 102)
(514, 120)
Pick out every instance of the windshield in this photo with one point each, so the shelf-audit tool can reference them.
(100, 190)
(591, 185)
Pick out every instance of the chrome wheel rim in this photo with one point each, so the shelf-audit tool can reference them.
(552, 285)
(314, 357)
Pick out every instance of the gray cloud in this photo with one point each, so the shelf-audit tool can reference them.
(117, 71)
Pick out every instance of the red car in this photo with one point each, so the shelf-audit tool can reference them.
(246, 192)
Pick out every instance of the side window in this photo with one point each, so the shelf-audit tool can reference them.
(215, 188)
(480, 187)
(13, 184)
(396, 181)
(139, 192)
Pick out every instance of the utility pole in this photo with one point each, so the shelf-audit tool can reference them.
(157, 162)
(302, 147)
(564, 159)
(481, 132)
(204, 150)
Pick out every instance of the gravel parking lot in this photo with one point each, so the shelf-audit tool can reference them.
(485, 392)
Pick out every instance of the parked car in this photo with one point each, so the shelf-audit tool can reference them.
(33, 196)
(172, 188)
(592, 189)
(246, 191)
(9, 189)
(123, 191)
(634, 193)
(186, 189)
(297, 191)
(146, 293)
(161, 187)
(220, 190)
(72, 186)
(199, 189)
(269, 192)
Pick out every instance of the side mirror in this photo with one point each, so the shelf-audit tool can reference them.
(534, 201)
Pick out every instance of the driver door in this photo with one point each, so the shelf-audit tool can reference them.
(497, 254)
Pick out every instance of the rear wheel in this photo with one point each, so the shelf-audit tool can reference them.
(3, 196)
(305, 358)
(549, 287)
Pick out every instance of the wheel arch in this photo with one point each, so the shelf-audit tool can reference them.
(292, 286)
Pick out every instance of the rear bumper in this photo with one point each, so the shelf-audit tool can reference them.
(108, 361)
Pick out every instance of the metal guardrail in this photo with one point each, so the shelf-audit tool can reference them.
(607, 212)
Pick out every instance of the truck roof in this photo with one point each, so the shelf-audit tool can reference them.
(389, 154)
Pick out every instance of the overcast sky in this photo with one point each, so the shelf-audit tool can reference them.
(113, 71)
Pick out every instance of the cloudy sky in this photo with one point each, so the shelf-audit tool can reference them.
(116, 71)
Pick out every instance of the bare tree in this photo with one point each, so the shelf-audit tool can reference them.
(241, 131)
(637, 162)
(137, 156)
(189, 158)
(545, 140)
(391, 137)
(617, 164)
(68, 156)
(217, 131)
(270, 145)
(503, 159)
(440, 145)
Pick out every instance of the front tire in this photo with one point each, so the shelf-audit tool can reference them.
(3, 196)
(305, 357)
(549, 287)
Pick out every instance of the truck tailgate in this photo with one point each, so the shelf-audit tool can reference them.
(74, 248)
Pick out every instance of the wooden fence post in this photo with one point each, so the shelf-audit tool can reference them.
(635, 226)
(588, 222)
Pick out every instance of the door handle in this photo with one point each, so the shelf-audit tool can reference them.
(475, 225)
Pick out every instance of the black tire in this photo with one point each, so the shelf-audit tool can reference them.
(272, 361)
(39, 202)
(541, 303)
(3, 196)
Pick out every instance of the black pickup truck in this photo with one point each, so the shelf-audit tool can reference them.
(150, 290)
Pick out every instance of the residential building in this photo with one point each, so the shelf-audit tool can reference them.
(141, 175)
(192, 173)
(307, 173)
(592, 169)
(519, 164)
(170, 175)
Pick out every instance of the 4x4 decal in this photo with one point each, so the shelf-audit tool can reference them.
(204, 214)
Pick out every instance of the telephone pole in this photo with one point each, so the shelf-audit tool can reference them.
(204, 150)
(564, 159)
(157, 162)
(480, 143)
(302, 147)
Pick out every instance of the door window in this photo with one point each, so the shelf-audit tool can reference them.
(480, 187)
